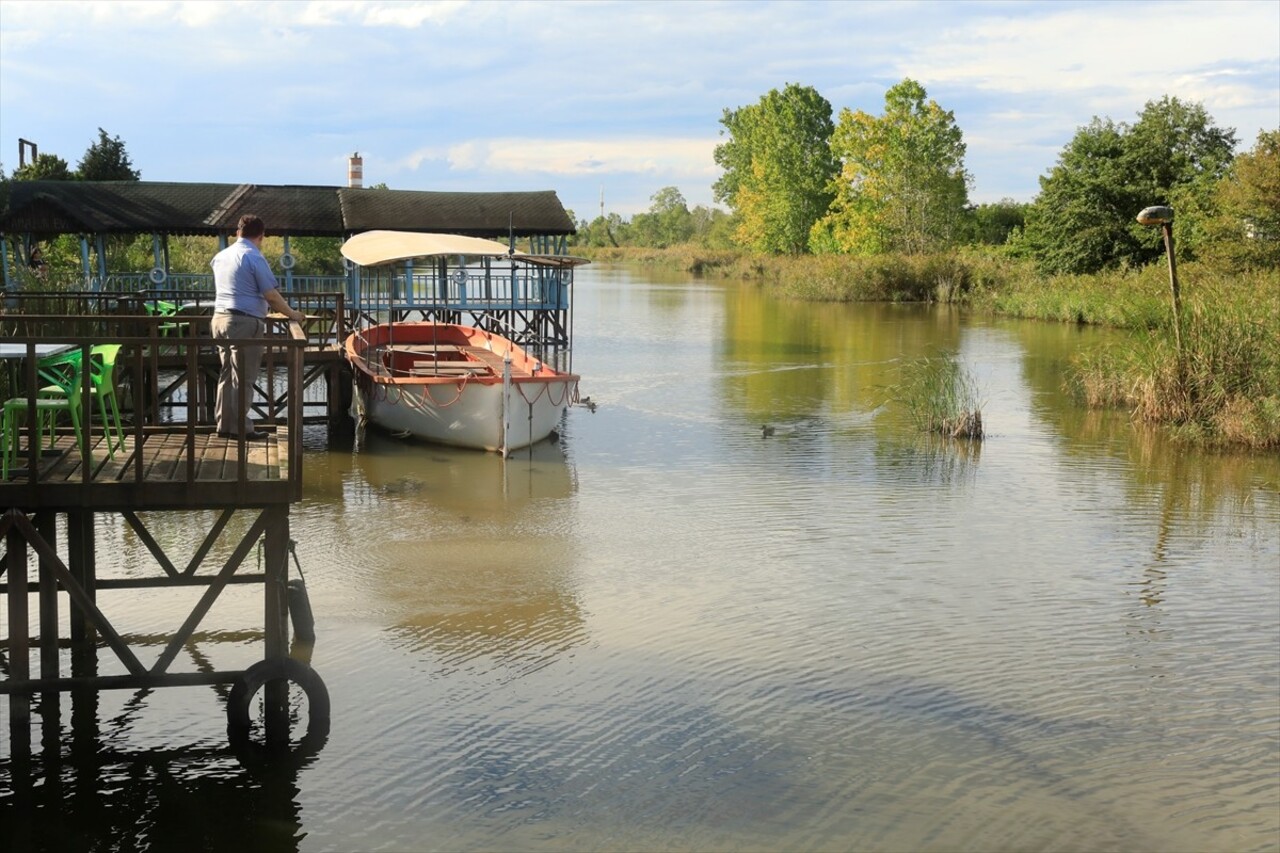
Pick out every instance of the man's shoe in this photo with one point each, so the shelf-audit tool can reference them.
(255, 436)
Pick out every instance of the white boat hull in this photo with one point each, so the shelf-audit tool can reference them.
(472, 417)
(456, 385)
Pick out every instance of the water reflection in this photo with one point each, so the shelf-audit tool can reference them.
(85, 787)
(432, 479)
(495, 580)
(788, 361)
(930, 460)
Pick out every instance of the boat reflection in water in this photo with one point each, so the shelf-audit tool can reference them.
(467, 588)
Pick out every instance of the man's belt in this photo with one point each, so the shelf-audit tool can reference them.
(237, 312)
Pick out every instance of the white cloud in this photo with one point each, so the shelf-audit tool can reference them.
(685, 158)
(410, 15)
(1115, 46)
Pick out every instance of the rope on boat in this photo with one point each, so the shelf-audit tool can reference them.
(396, 394)
(426, 394)
(546, 389)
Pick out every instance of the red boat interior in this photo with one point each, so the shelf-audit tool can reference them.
(440, 360)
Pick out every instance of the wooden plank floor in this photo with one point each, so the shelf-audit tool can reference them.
(164, 459)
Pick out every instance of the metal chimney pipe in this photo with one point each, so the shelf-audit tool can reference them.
(355, 171)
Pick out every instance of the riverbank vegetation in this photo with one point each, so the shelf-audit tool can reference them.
(894, 224)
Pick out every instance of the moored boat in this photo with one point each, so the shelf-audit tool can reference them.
(450, 383)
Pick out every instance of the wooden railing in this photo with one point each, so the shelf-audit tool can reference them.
(151, 363)
(88, 312)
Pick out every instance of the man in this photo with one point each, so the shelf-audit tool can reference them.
(246, 290)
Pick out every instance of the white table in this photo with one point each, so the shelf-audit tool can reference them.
(12, 353)
(41, 350)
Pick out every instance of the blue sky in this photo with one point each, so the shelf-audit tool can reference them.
(585, 98)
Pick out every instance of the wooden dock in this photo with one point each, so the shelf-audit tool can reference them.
(171, 459)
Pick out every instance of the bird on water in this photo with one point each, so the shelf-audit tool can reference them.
(766, 431)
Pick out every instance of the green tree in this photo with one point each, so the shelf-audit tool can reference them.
(712, 227)
(777, 167)
(666, 223)
(315, 255)
(106, 160)
(44, 167)
(902, 184)
(1243, 227)
(992, 224)
(1083, 219)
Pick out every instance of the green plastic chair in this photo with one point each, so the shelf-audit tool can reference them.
(63, 373)
(161, 308)
(102, 360)
(47, 409)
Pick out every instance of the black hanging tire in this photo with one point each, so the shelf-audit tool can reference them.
(278, 669)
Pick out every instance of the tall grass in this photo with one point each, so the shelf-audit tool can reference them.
(940, 396)
(949, 277)
(1223, 388)
(688, 257)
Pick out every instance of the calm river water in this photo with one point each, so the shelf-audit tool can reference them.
(668, 632)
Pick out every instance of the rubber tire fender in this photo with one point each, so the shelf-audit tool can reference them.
(277, 669)
(287, 261)
(157, 275)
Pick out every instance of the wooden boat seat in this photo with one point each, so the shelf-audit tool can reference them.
(422, 348)
(446, 368)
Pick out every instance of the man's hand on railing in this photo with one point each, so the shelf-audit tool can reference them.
(277, 303)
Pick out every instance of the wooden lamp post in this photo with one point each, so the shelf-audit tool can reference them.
(1163, 216)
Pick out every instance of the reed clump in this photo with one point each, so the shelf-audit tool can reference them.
(1222, 388)
(940, 395)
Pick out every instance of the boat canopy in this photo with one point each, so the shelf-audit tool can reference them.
(373, 248)
(384, 247)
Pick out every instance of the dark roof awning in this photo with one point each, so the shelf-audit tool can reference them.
(470, 214)
(47, 208)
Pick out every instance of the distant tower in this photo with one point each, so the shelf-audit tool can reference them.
(355, 171)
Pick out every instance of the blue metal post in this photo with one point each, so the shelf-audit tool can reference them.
(85, 266)
(288, 273)
(157, 259)
(101, 246)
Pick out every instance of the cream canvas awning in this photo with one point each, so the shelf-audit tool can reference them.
(373, 248)
(384, 247)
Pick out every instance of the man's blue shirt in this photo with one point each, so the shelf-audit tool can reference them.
(241, 276)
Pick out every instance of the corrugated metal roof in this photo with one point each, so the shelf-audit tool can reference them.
(472, 214)
(45, 208)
